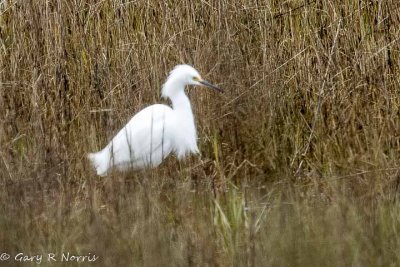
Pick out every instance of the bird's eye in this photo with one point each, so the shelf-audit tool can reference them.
(195, 78)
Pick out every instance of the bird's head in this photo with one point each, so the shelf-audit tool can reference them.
(183, 75)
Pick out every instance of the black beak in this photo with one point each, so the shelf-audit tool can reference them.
(205, 83)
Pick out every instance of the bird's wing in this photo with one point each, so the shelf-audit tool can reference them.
(145, 140)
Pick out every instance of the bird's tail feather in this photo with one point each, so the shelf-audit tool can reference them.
(100, 162)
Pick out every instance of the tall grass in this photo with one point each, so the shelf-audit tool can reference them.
(299, 158)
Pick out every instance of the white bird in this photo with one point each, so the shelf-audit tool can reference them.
(156, 131)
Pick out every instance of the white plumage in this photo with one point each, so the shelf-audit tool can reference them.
(156, 131)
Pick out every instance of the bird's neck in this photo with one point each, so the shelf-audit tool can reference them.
(187, 139)
(180, 102)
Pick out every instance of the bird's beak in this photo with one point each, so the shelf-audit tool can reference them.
(205, 83)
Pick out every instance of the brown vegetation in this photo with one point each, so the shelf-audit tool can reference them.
(300, 156)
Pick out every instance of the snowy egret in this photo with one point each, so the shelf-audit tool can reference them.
(156, 131)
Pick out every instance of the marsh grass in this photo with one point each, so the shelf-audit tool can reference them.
(300, 156)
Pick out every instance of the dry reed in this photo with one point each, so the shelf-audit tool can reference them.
(300, 156)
